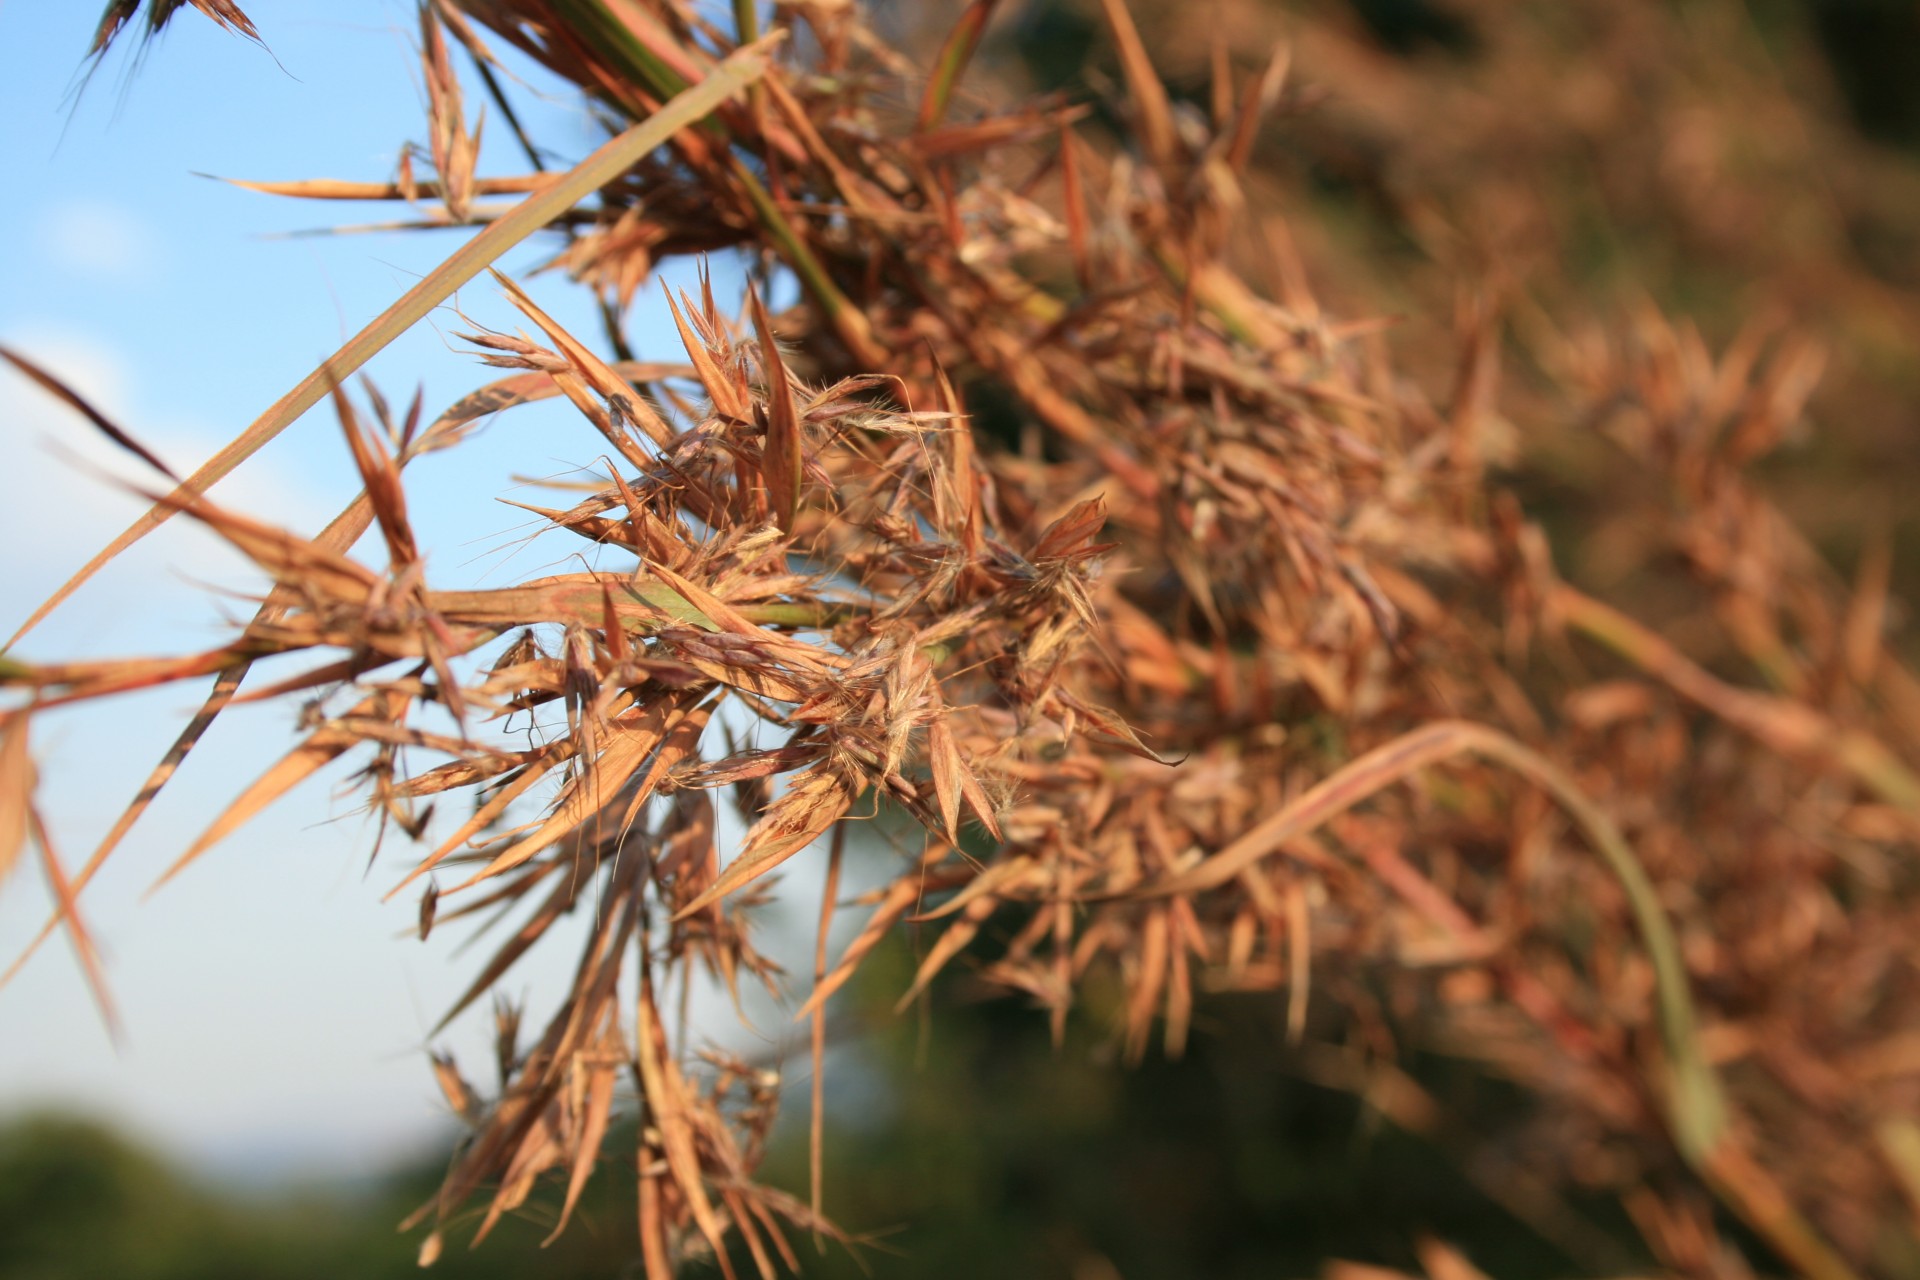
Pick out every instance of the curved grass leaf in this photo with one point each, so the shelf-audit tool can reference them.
(1697, 1108)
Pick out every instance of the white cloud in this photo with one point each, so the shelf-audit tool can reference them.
(101, 240)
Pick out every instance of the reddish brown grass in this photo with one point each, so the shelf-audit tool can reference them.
(1231, 645)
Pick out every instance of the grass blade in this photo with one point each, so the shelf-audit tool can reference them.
(80, 405)
(69, 914)
(783, 466)
(952, 62)
(321, 748)
(742, 68)
(1143, 82)
(1697, 1108)
(1782, 724)
(16, 791)
(814, 803)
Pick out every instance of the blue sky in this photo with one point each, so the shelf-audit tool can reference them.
(274, 1019)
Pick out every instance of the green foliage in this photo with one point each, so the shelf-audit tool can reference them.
(81, 1202)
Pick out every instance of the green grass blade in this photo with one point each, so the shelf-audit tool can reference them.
(955, 54)
(592, 22)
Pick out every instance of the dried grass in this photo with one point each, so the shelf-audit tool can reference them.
(1231, 644)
